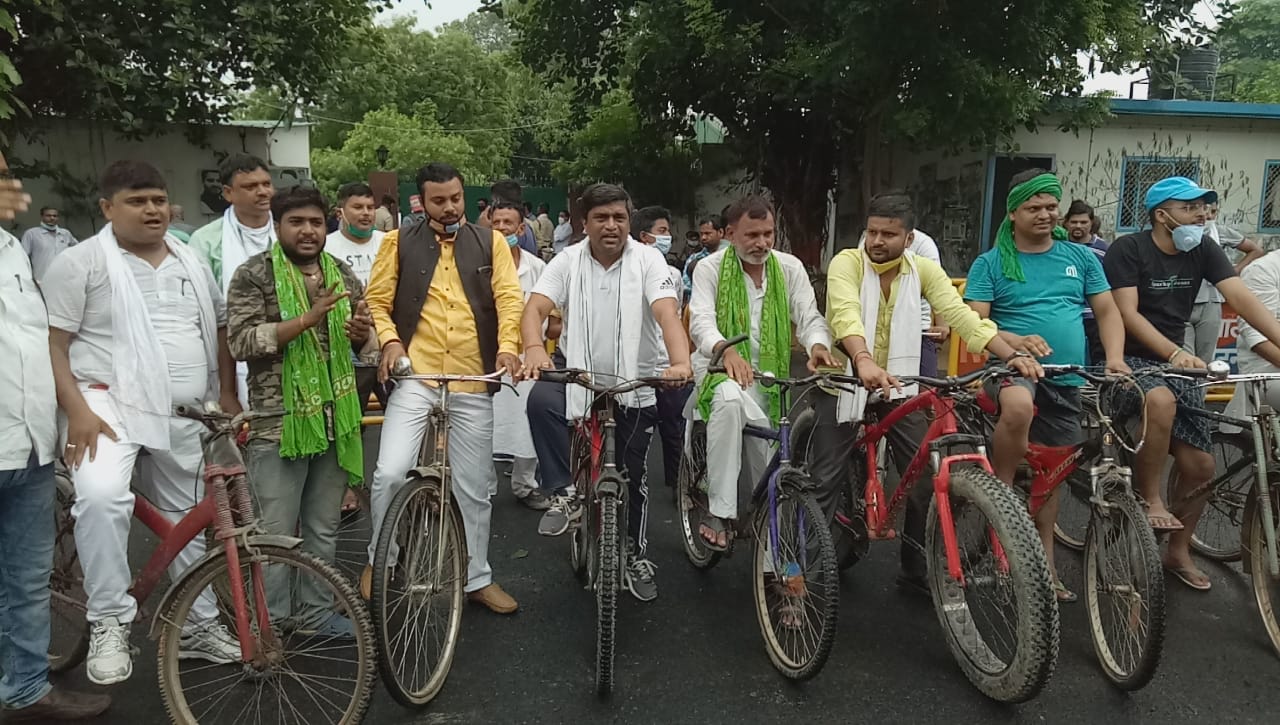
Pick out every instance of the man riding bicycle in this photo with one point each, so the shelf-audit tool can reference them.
(1035, 285)
(750, 289)
(878, 287)
(615, 294)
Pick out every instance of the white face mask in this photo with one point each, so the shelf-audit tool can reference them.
(662, 242)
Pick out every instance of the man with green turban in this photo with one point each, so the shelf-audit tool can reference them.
(1035, 286)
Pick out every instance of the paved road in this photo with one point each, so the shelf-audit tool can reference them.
(695, 654)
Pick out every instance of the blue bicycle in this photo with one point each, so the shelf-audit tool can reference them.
(796, 577)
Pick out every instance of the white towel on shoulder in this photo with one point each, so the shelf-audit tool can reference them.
(627, 331)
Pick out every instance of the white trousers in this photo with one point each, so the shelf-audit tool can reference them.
(732, 408)
(470, 458)
(104, 509)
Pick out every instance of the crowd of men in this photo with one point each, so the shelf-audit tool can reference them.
(266, 308)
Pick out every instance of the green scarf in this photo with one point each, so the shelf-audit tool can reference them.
(1042, 184)
(308, 384)
(732, 309)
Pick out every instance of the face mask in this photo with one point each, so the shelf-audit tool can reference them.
(1187, 236)
(359, 233)
(662, 242)
(452, 228)
(50, 227)
(513, 240)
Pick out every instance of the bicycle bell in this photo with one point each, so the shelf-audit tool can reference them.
(1219, 370)
(403, 366)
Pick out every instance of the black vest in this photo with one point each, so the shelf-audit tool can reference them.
(473, 253)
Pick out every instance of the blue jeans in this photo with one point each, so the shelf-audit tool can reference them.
(26, 556)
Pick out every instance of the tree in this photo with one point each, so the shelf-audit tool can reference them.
(139, 63)
(809, 86)
(489, 30)
(1249, 40)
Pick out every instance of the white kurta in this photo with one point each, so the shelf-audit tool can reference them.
(510, 424)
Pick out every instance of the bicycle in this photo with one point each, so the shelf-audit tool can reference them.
(1124, 580)
(1005, 559)
(1260, 517)
(795, 571)
(273, 648)
(420, 561)
(596, 540)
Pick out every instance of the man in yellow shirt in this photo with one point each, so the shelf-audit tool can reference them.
(448, 296)
(878, 287)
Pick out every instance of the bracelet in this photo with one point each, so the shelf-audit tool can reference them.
(1173, 354)
(1017, 354)
(388, 342)
(859, 354)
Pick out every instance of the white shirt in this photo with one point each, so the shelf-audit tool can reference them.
(1225, 236)
(78, 292)
(1263, 280)
(601, 287)
(809, 324)
(28, 404)
(358, 255)
(923, 245)
(664, 360)
(42, 245)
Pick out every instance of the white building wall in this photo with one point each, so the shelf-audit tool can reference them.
(85, 149)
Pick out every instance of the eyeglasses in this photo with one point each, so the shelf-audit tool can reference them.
(1193, 207)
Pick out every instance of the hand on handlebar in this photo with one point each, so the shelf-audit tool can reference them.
(1027, 367)
(391, 352)
(678, 373)
(875, 377)
(1184, 359)
(535, 361)
(820, 357)
(1031, 344)
(508, 363)
(1118, 367)
(737, 368)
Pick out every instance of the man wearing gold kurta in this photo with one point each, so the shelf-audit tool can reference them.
(873, 307)
(445, 292)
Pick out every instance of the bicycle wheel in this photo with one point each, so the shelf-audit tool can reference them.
(796, 586)
(1072, 526)
(69, 630)
(295, 676)
(607, 582)
(1001, 622)
(420, 571)
(579, 534)
(1124, 588)
(354, 532)
(1266, 586)
(1217, 534)
(692, 497)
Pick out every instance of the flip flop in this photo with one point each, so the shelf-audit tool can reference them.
(1064, 595)
(1184, 575)
(1164, 523)
(718, 527)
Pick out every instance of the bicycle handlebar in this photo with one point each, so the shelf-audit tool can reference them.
(577, 376)
(215, 419)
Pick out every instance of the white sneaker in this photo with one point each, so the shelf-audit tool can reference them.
(210, 642)
(110, 660)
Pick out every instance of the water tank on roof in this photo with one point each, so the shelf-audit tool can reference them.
(1198, 70)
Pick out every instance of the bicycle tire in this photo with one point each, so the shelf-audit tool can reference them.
(1072, 527)
(1266, 588)
(580, 535)
(795, 505)
(354, 534)
(401, 591)
(607, 584)
(692, 500)
(1218, 532)
(68, 603)
(1035, 608)
(1135, 592)
(274, 669)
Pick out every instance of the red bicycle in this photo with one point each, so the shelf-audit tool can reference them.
(1124, 582)
(988, 575)
(287, 673)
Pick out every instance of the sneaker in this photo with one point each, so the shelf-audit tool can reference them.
(110, 660)
(563, 511)
(211, 642)
(639, 579)
(536, 500)
(335, 626)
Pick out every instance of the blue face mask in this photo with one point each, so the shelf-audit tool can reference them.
(513, 240)
(49, 227)
(662, 242)
(1187, 236)
(451, 228)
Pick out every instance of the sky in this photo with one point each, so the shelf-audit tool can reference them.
(444, 11)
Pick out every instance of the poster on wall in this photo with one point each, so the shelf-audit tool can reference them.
(288, 177)
(211, 201)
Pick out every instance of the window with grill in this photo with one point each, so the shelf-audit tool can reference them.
(1269, 213)
(1138, 173)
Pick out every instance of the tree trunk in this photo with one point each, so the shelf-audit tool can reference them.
(799, 170)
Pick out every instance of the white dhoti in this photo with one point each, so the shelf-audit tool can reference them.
(732, 408)
(511, 436)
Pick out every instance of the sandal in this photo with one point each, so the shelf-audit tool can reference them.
(718, 528)
(1168, 522)
(1191, 576)
(1064, 595)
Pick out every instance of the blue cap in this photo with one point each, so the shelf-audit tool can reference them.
(1178, 188)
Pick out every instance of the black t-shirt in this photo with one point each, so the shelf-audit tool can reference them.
(1167, 283)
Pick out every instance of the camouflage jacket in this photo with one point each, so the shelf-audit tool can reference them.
(253, 311)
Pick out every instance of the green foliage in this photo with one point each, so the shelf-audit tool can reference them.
(1249, 40)
(807, 86)
(139, 63)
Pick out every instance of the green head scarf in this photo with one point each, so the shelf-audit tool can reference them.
(1042, 184)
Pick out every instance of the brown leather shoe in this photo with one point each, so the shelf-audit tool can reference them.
(60, 704)
(495, 599)
(366, 583)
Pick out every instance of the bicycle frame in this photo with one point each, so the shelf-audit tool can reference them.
(598, 431)
(770, 481)
(943, 432)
